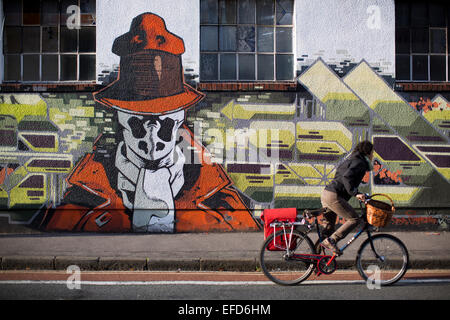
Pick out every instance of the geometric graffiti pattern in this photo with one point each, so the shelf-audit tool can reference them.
(42, 136)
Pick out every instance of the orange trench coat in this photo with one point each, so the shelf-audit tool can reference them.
(208, 204)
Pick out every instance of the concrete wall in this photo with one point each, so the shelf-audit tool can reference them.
(114, 17)
(343, 33)
(1, 42)
(68, 160)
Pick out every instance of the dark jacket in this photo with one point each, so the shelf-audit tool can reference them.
(349, 175)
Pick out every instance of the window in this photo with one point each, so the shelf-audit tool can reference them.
(41, 43)
(246, 40)
(421, 39)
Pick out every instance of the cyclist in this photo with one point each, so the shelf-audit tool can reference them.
(336, 194)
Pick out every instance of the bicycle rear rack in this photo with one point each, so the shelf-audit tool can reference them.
(300, 221)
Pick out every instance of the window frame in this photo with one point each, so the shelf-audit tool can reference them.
(59, 25)
(411, 55)
(239, 54)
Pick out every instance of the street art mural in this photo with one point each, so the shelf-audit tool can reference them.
(149, 153)
(145, 179)
(319, 127)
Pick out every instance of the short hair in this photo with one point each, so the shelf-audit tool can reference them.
(364, 147)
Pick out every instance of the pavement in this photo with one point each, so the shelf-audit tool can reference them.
(184, 251)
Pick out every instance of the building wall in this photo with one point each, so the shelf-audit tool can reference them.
(1, 42)
(243, 150)
(182, 17)
(343, 33)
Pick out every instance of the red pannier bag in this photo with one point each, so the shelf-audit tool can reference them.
(273, 215)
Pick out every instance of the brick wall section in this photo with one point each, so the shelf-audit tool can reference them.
(207, 86)
(49, 87)
(418, 86)
(247, 86)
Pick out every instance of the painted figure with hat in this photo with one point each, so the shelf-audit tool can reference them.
(158, 178)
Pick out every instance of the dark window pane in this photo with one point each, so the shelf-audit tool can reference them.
(31, 38)
(265, 67)
(437, 41)
(419, 14)
(87, 39)
(87, 67)
(227, 11)
(12, 40)
(420, 67)
(247, 11)
(31, 67)
(420, 40)
(49, 67)
(265, 12)
(437, 14)
(402, 13)
(68, 67)
(227, 67)
(208, 67)
(12, 67)
(87, 8)
(50, 12)
(265, 39)
(65, 4)
(285, 10)
(284, 66)
(437, 68)
(49, 39)
(31, 12)
(246, 38)
(246, 67)
(68, 40)
(284, 39)
(13, 12)
(402, 40)
(402, 67)
(209, 11)
(227, 38)
(209, 38)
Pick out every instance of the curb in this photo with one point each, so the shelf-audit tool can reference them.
(147, 264)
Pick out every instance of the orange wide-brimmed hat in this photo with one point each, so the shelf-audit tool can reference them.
(150, 77)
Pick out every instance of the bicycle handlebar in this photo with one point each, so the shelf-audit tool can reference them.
(367, 198)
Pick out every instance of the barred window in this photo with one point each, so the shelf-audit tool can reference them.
(49, 40)
(246, 40)
(421, 40)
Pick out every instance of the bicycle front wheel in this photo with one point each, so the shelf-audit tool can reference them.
(382, 259)
(279, 263)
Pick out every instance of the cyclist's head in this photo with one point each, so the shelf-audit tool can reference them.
(365, 148)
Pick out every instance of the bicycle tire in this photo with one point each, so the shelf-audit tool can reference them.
(282, 271)
(394, 266)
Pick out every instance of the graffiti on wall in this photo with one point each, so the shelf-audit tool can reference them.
(149, 153)
(317, 129)
(141, 175)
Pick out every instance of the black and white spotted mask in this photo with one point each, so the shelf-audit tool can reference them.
(151, 137)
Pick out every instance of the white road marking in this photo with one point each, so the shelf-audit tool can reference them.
(208, 283)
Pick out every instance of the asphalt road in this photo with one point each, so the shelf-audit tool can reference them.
(256, 292)
(219, 286)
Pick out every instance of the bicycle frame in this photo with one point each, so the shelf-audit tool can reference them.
(317, 258)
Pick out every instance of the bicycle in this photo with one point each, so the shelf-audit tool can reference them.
(289, 256)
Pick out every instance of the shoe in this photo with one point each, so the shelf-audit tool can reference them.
(330, 244)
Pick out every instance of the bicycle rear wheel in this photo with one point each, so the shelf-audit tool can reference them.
(280, 265)
(389, 266)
